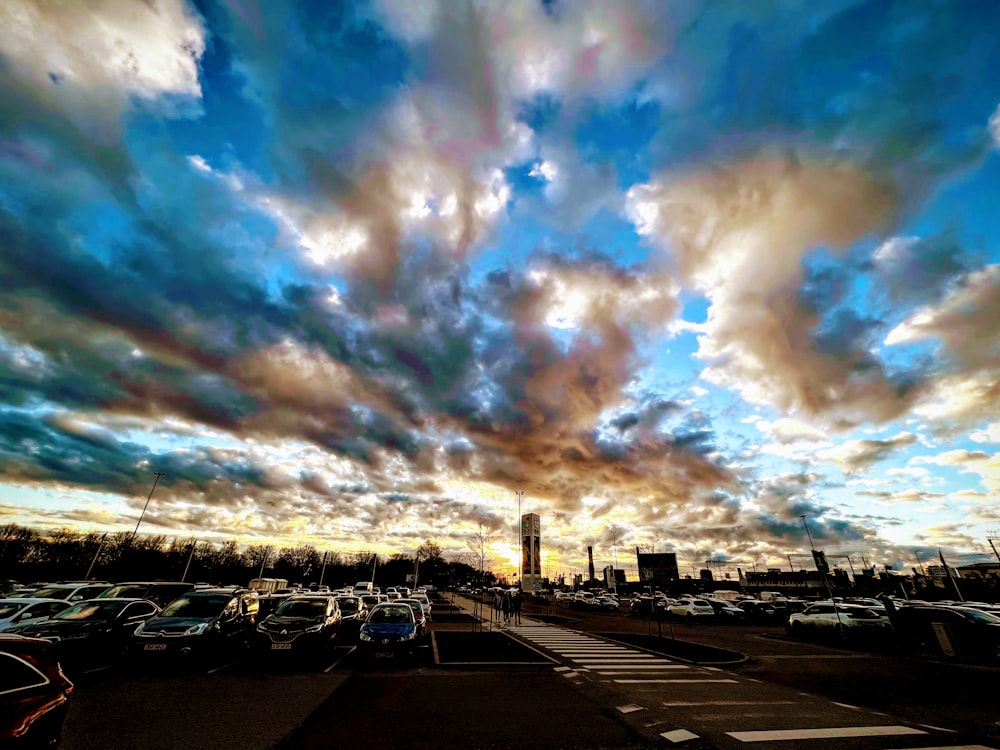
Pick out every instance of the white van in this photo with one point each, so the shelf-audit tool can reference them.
(363, 587)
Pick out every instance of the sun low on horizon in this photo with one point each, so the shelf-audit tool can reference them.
(693, 277)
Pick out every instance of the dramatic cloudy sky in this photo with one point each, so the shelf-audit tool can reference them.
(353, 274)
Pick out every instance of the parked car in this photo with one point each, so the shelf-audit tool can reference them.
(72, 592)
(352, 611)
(962, 631)
(200, 622)
(390, 631)
(425, 603)
(21, 612)
(758, 611)
(161, 593)
(302, 624)
(822, 617)
(94, 631)
(34, 693)
(726, 611)
(691, 609)
(418, 614)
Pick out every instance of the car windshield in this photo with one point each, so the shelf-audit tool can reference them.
(9, 609)
(91, 610)
(413, 605)
(302, 608)
(125, 591)
(391, 615)
(348, 605)
(978, 616)
(55, 592)
(196, 606)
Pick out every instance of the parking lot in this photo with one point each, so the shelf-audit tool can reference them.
(587, 691)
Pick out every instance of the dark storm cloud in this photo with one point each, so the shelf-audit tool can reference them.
(919, 270)
(54, 449)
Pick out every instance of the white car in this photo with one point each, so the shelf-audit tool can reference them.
(823, 616)
(18, 611)
(425, 603)
(689, 609)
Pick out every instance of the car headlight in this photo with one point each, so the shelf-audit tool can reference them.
(409, 637)
(261, 627)
(140, 629)
(364, 636)
(314, 628)
(196, 629)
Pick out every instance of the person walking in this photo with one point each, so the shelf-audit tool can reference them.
(516, 606)
(505, 605)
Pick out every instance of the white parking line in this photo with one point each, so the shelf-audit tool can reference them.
(679, 735)
(638, 682)
(823, 733)
(680, 704)
(334, 665)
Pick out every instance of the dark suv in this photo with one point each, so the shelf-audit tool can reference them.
(303, 624)
(203, 621)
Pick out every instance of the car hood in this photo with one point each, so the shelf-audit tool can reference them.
(387, 629)
(62, 628)
(173, 624)
(283, 622)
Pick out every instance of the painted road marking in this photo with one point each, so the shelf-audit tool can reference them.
(825, 733)
(638, 682)
(630, 708)
(679, 735)
(679, 704)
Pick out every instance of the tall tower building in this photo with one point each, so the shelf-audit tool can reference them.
(531, 552)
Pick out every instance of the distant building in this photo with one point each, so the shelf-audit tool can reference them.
(657, 568)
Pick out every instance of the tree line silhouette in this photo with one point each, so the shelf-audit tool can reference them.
(28, 556)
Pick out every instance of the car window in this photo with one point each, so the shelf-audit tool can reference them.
(138, 609)
(303, 608)
(197, 606)
(17, 674)
(9, 609)
(94, 609)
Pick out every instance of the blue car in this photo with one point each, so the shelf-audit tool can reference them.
(390, 631)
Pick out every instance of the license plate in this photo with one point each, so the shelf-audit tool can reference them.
(281, 646)
(155, 647)
(384, 654)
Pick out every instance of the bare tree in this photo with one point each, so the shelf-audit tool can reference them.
(479, 545)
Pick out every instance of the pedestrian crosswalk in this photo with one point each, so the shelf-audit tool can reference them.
(590, 654)
(721, 706)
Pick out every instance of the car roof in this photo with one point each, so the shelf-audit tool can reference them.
(29, 599)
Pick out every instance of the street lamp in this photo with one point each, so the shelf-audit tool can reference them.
(520, 539)
(142, 515)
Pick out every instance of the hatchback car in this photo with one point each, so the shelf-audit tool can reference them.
(93, 631)
(301, 625)
(390, 631)
(17, 613)
(418, 614)
(34, 693)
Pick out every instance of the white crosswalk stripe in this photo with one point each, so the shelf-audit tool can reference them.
(588, 652)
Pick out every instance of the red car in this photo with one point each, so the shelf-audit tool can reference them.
(34, 693)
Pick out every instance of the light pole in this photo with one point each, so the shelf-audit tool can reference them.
(141, 515)
(520, 540)
(826, 580)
